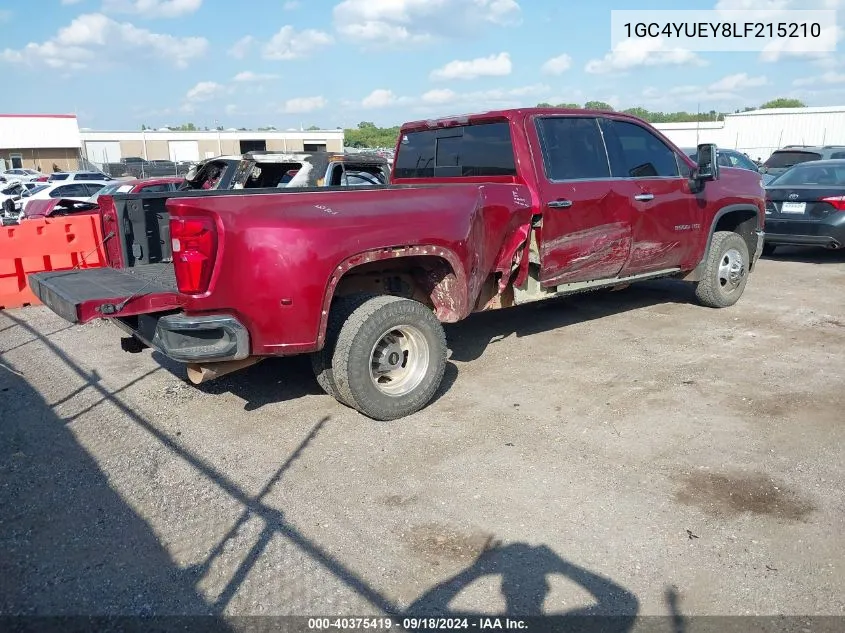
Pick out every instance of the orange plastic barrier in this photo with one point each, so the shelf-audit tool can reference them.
(46, 244)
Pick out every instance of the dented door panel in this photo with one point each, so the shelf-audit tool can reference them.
(590, 239)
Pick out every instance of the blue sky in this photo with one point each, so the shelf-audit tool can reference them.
(121, 63)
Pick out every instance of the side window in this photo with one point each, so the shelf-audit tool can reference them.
(70, 191)
(483, 149)
(838, 155)
(683, 168)
(572, 148)
(155, 188)
(637, 153)
(93, 188)
(725, 160)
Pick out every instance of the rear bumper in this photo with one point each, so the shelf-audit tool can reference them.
(806, 233)
(191, 339)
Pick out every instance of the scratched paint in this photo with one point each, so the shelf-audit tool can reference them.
(597, 252)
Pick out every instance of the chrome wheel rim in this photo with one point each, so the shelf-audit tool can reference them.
(731, 270)
(399, 360)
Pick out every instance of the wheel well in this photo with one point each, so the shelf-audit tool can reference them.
(431, 280)
(743, 222)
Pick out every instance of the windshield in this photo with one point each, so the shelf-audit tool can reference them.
(779, 160)
(812, 174)
(35, 190)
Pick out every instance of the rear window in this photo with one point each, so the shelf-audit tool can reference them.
(788, 159)
(471, 150)
(58, 177)
(821, 175)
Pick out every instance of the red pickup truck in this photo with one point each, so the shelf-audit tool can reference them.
(483, 212)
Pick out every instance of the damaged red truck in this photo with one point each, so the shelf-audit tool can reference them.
(483, 211)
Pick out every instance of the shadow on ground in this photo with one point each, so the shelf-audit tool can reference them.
(72, 546)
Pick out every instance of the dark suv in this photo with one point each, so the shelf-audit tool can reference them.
(783, 159)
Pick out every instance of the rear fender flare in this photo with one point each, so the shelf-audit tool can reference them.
(695, 274)
(457, 293)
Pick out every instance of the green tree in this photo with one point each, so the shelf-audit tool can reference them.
(314, 127)
(598, 105)
(783, 102)
(186, 127)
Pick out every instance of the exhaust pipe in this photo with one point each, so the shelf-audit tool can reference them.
(201, 373)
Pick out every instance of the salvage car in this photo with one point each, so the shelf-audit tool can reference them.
(261, 170)
(805, 206)
(483, 212)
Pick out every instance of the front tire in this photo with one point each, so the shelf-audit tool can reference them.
(725, 271)
(390, 358)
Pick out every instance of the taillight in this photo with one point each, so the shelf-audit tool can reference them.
(194, 243)
(837, 202)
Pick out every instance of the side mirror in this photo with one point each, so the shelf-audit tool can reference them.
(708, 163)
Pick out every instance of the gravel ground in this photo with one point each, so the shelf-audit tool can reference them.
(627, 450)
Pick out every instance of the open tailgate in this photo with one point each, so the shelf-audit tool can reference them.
(80, 296)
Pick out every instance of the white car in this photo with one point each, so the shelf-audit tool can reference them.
(80, 191)
(22, 175)
(11, 194)
(67, 176)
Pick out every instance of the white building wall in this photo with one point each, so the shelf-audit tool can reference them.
(758, 133)
(316, 136)
(39, 131)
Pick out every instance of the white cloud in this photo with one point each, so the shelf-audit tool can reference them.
(5, 15)
(391, 22)
(828, 78)
(290, 44)
(94, 39)
(557, 65)
(302, 105)
(241, 48)
(205, 91)
(249, 76)
(380, 98)
(69, 2)
(291, 5)
(440, 95)
(231, 109)
(739, 81)
(632, 53)
(153, 8)
(521, 96)
(493, 66)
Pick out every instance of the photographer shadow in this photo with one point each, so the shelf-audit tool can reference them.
(525, 586)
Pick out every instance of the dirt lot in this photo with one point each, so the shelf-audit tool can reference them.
(629, 450)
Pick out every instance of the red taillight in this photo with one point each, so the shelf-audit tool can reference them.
(194, 243)
(837, 202)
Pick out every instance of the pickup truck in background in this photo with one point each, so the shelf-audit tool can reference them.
(483, 212)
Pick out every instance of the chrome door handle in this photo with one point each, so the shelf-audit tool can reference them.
(644, 197)
(560, 204)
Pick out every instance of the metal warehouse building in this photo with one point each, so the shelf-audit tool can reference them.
(759, 132)
(39, 141)
(112, 147)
